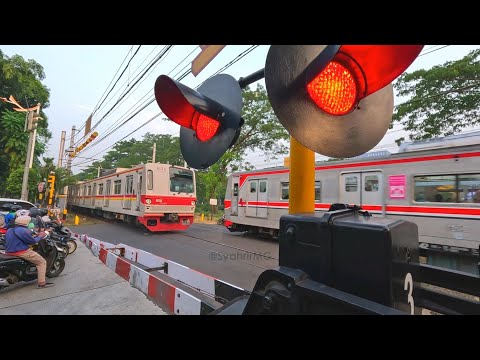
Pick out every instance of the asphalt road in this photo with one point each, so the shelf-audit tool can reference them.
(210, 249)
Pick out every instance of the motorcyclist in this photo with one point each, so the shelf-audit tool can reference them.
(17, 243)
(10, 217)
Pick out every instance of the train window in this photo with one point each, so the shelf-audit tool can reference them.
(435, 188)
(318, 190)
(181, 180)
(100, 189)
(263, 186)
(469, 188)
(371, 183)
(129, 185)
(351, 184)
(117, 187)
(149, 180)
(253, 187)
(89, 191)
(285, 191)
(235, 189)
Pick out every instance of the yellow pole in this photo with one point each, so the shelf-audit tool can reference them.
(302, 179)
(77, 220)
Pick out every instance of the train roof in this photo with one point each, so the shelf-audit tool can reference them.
(104, 173)
(458, 143)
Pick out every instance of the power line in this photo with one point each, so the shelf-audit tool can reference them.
(151, 100)
(107, 86)
(123, 72)
(163, 52)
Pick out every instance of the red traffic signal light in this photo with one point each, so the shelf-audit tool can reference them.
(210, 118)
(336, 100)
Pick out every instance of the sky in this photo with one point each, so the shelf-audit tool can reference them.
(79, 75)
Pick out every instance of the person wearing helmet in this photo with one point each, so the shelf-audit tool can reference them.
(10, 217)
(17, 243)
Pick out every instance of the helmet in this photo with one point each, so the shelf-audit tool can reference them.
(34, 212)
(22, 213)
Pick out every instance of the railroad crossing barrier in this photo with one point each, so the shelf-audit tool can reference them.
(136, 266)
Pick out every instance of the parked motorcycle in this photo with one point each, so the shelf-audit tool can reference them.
(61, 234)
(14, 269)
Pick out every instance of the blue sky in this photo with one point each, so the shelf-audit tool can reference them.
(78, 75)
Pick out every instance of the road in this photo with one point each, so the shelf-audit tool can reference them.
(210, 249)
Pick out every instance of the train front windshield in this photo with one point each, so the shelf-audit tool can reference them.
(181, 180)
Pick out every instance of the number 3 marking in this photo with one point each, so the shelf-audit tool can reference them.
(409, 286)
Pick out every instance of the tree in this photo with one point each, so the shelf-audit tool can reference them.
(261, 132)
(443, 100)
(23, 80)
(14, 183)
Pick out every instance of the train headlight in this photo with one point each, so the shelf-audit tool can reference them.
(148, 201)
(193, 202)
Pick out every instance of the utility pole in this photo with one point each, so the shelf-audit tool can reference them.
(32, 128)
(62, 147)
(70, 149)
(98, 172)
(154, 152)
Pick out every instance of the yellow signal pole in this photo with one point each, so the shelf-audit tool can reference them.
(302, 178)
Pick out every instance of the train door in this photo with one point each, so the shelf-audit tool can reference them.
(262, 208)
(257, 198)
(139, 190)
(235, 190)
(127, 196)
(252, 198)
(362, 188)
(372, 189)
(108, 190)
(350, 185)
(94, 194)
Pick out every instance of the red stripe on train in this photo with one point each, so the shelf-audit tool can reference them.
(244, 177)
(389, 208)
(167, 200)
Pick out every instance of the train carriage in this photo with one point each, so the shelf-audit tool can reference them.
(434, 183)
(162, 197)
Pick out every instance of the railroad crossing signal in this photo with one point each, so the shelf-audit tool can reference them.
(210, 118)
(32, 120)
(51, 182)
(336, 100)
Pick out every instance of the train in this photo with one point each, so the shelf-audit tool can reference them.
(161, 197)
(434, 183)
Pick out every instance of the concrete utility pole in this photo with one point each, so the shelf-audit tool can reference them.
(154, 152)
(71, 148)
(62, 148)
(32, 128)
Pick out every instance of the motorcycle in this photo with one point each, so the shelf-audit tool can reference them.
(221, 220)
(62, 234)
(14, 269)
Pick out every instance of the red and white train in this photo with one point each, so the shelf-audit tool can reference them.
(162, 197)
(434, 183)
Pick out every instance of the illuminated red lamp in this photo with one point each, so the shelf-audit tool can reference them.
(205, 127)
(355, 72)
(176, 105)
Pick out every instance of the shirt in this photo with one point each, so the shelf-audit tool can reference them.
(18, 239)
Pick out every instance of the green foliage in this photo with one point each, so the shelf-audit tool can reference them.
(14, 183)
(443, 100)
(23, 80)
